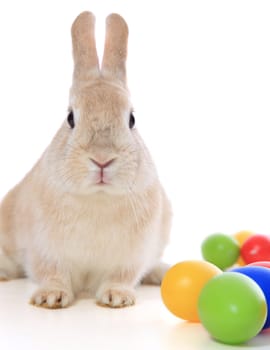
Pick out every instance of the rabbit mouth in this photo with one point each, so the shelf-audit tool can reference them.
(101, 182)
(101, 179)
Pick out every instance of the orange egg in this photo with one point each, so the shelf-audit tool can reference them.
(182, 285)
(241, 237)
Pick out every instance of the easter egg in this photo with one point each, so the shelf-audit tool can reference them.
(256, 248)
(232, 308)
(182, 284)
(221, 250)
(241, 237)
(260, 263)
(260, 275)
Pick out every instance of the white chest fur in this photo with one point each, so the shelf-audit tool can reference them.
(95, 236)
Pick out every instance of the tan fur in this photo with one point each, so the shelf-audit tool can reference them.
(62, 228)
(84, 47)
(115, 51)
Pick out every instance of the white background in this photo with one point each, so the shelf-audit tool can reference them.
(199, 74)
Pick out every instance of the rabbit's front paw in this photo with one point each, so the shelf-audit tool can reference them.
(51, 298)
(3, 276)
(116, 297)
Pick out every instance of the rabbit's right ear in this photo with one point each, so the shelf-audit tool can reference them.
(85, 57)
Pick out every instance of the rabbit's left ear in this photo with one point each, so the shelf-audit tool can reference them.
(86, 64)
(115, 50)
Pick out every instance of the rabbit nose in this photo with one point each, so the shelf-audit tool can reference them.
(102, 165)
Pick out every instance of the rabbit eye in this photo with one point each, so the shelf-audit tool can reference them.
(70, 119)
(131, 120)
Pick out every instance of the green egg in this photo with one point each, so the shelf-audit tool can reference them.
(221, 250)
(232, 308)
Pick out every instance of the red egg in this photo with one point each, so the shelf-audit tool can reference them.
(256, 248)
(261, 263)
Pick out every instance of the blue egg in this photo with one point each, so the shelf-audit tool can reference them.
(261, 275)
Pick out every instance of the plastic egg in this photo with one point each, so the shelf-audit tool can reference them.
(260, 275)
(182, 284)
(261, 263)
(232, 307)
(221, 250)
(256, 248)
(241, 238)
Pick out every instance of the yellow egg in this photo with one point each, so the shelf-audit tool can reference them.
(182, 285)
(241, 237)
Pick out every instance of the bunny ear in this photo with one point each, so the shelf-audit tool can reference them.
(84, 47)
(115, 50)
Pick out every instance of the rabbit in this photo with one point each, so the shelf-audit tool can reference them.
(92, 214)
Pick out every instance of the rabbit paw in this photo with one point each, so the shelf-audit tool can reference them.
(116, 298)
(51, 298)
(3, 276)
(9, 269)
